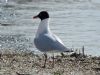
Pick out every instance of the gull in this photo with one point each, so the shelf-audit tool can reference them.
(45, 41)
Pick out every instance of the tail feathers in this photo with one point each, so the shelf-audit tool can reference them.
(68, 50)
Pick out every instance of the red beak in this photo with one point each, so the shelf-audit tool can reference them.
(34, 17)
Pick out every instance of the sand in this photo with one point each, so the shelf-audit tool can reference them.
(28, 63)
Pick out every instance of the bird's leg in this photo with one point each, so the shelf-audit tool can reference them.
(45, 60)
(53, 61)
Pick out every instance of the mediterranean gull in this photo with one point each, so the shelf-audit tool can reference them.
(45, 40)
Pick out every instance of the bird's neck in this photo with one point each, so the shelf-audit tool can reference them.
(43, 27)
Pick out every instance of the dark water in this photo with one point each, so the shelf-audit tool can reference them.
(76, 22)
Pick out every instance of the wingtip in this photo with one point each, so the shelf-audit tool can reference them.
(69, 50)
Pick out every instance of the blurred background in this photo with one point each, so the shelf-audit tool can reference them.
(76, 22)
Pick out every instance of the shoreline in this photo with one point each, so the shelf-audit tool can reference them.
(30, 64)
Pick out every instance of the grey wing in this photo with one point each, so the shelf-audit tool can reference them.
(60, 45)
(49, 43)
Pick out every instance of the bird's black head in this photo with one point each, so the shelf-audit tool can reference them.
(42, 15)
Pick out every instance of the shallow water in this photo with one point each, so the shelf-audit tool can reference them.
(76, 22)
